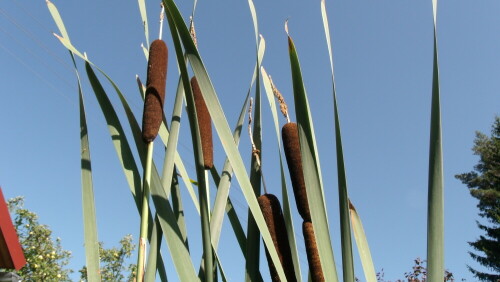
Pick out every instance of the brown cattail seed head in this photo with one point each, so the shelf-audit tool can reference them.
(291, 146)
(155, 90)
(312, 252)
(205, 125)
(271, 209)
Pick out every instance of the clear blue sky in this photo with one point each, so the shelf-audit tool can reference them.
(383, 64)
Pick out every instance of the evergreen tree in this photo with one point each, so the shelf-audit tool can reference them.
(484, 184)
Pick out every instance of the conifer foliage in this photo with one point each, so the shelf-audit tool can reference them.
(484, 184)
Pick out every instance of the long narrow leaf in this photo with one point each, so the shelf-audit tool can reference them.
(144, 18)
(435, 211)
(310, 164)
(89, 214)
(153, 256)
(345, 228)
(223, 184)
(362, 243)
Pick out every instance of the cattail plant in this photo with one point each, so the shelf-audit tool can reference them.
(312, 252)
(291, 146)
(302, 160)
(204, 124)
(273, 215)
(151, 121)
(271, 209)
(155, 90)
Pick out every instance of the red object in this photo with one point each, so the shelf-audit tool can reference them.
(11, 253)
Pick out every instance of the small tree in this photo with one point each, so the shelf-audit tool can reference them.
(45, 258)
(113, 266)
(484, 184)
(417, 274)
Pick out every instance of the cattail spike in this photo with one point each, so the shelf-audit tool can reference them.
(192, 31)
(312, 253)
(205, 125)
(271, 209)
(281, 99)
(155, 90)
(291, 147)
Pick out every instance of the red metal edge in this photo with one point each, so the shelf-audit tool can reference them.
(11, 252)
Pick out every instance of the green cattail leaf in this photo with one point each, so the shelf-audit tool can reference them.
(169, 178)
(145, 51)
(254, 20)
(144, 18)
(435, 210)
(223, 184)
(345, 228)
(221, 126)
(284, 191)
(362, 243)
(89, 215)
(57, 19)
(153, 255)
(311, 166)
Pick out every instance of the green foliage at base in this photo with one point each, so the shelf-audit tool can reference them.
(113, 262)
(45, 258)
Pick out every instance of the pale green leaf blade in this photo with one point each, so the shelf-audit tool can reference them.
(117, 133)
(89, 214)
(57, 19)
(435, 212)
(345, 229)
(154, 260)
(223, 184)
(310, 164)
(362, 243)
(144, 18)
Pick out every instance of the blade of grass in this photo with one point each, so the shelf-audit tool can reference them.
(222, 127)
(362, 243)
(223, 183)
(89, 216)
(153, 258)
(345, 226)
(435, 212)
(144, 18)
(345, 229)
(310, 164)
(284, 191)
